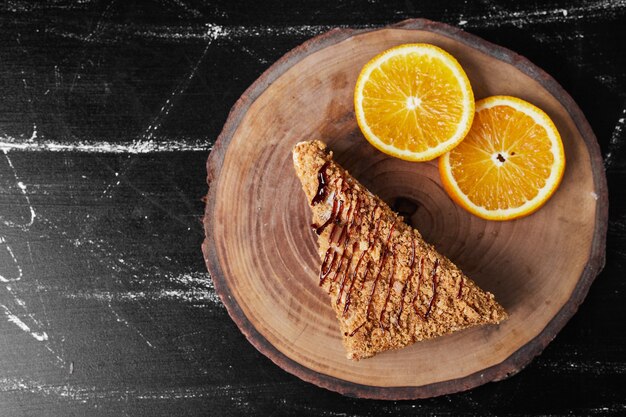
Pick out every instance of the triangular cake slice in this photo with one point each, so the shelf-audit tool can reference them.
(388, 287)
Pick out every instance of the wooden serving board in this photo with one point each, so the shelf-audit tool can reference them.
(262, 254)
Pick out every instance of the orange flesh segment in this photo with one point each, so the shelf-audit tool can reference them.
(412, 100)
(526, 159)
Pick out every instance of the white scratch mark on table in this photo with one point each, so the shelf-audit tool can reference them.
(586, 367)
(498, 16)
(102, 21)
(22, 305)
(118, 267)
(58, 78)
(22, 188)
(197, 290)
(59, 361)
(128, 183)
(151, 130)
(24, 319)
(115, 33)
(90, 393)
(609, 81)
(69, 392)
(125, 322)
(617, 140)
(20, 272)
(169, 103)
(8, 143)
(187, 9)
(40, 336)
(201, 32)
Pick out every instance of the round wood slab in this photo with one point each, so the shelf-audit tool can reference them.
(262, 254)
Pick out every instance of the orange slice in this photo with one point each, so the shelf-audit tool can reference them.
(510, 162)
(414, 102)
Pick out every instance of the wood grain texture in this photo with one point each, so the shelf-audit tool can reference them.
(263, 258)
(108, 112)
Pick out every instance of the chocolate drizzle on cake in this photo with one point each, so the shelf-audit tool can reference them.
(322, 178)
(353, 332)
(417, 287)
(389, 286)
(408, 279)
(381, 265)
(327, 267)
(331, 218)
(435, 280)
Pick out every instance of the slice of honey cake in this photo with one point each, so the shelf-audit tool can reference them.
(387, 286)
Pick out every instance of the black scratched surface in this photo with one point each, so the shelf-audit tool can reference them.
(108, 112)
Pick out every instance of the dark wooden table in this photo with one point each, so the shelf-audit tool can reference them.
(107, 115)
